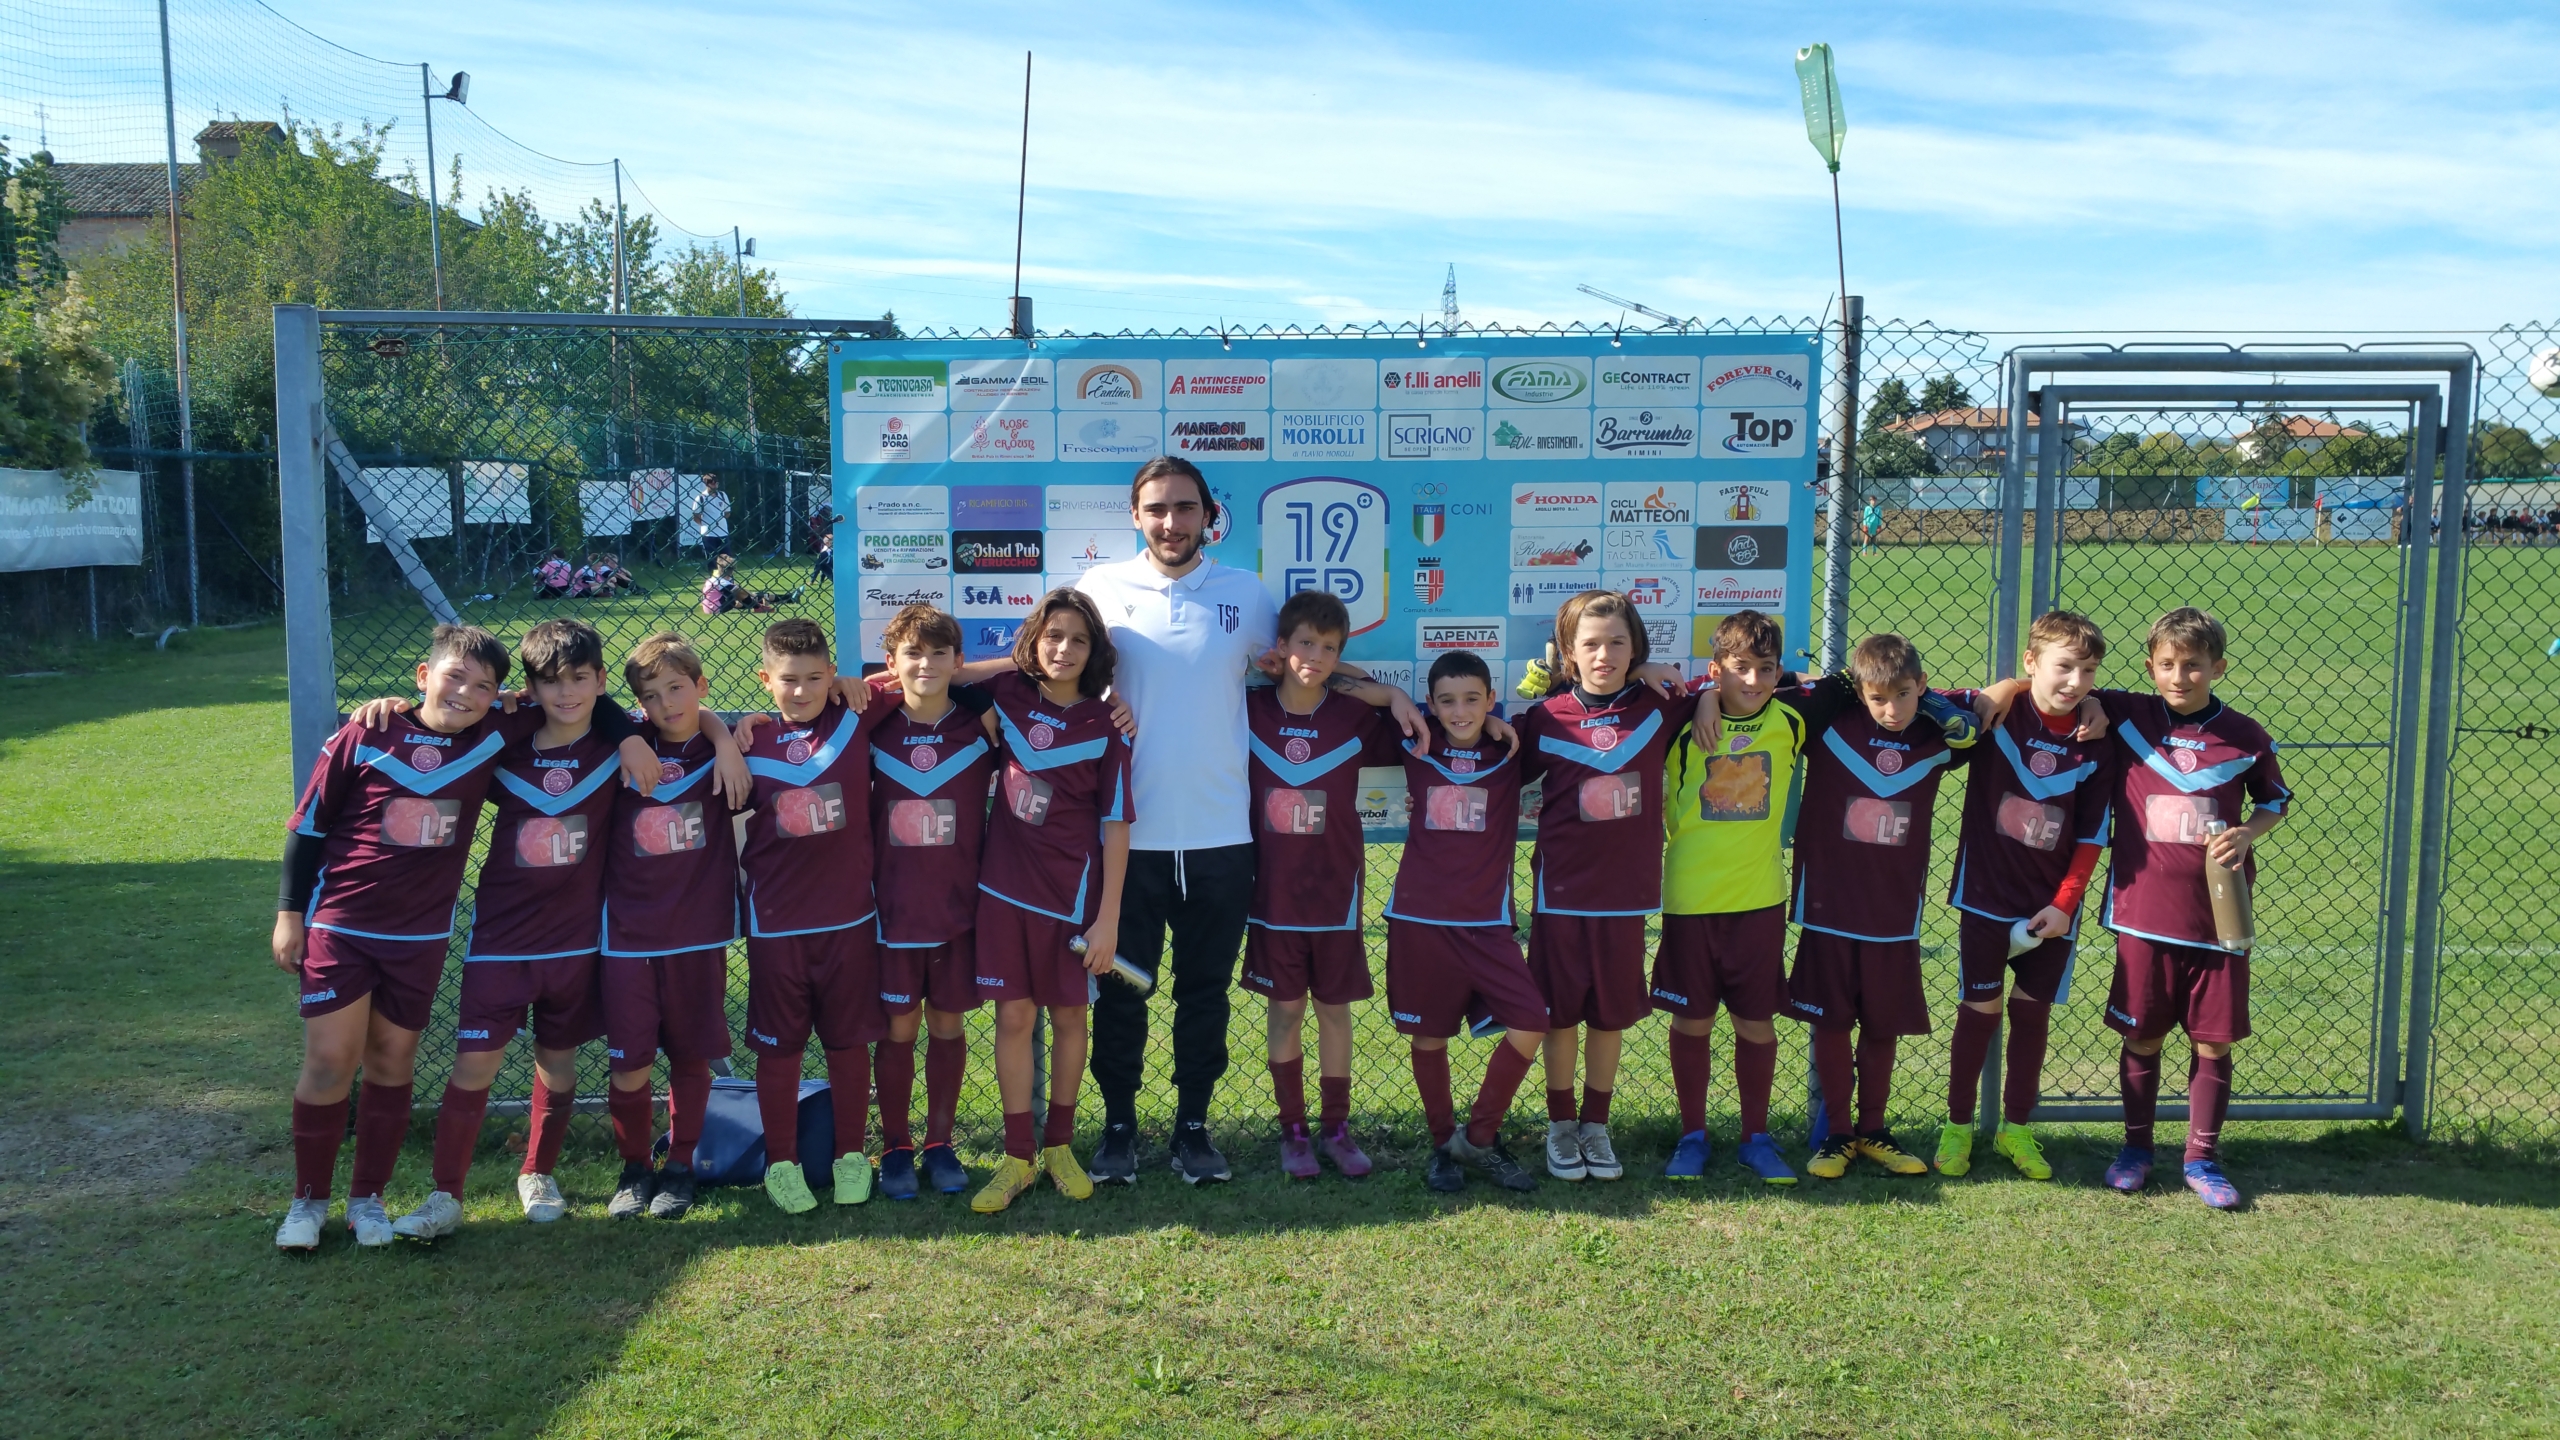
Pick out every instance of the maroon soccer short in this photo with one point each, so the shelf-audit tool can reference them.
(339, 969)
(827, 982)
(2195, 988)
(676, 1003)
(560, 991)
(1737, 959)
(942, 976)
(1590, 968)
(1436, 972)
(1982, 948)
(1023, 955)
(1872, 984)
(1290, 964)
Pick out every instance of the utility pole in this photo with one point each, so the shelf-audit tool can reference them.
(1449, 304)
(178, 305)
(1020, 321)
(620, 304)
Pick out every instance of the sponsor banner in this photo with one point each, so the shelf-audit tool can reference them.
(1338, 435)
(604, 508)
(1433, 434)
(1542, 382)
(994, 597)
(1756, 502)
(1007, 382)
(1110, 438)
(1430, 580)
(1637, 382)
(1652, 592)
(1006, 437)
(1758, 434)
(988, 639)
(1647, 434)
(903, 552)
(996, 552)
(1646, 547)
(886, 595)
(40, 530)
(995, 507)
(1111, 385)
(1324, 384)
(1383, 800)
(1449, 382)
(1663, 638)
(874, 631)
(1328, 534)
(494, 492)
(1085, 507)
(902, 507)
(1564, 503)
(901, 385)
(1202, 436)
(901, 437)
(1073, 552)
(1772, 381)
(1217, 384)
(1742, 547)
(1394, 674)
(1539, 592)
(1545, 549)
(1721, 592)
(1651, 502)
(1482, 635)
(1563, 434)
(653, 493)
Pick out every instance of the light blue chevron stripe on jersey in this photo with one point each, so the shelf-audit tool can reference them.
(818, 761)
(2042, 787)
(1605, 761)
(2206, 777)
(1308, 772)
(1876, 780)
(1454, 778)
(1051, 758)
(534, 795)
(667, 791)
(428, 782)
(925, 782)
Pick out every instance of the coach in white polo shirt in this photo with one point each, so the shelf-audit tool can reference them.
(1187, 629)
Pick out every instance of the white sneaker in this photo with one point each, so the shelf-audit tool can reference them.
(1564, 1149)
(543, 1202)
(440, 1216)
(1599, 1157)
(369, 1220)
(302, 1225)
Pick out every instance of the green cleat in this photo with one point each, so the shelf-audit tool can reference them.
(2019, 1144)
(788, 1189)
(1955, 1148)
(853, 1178)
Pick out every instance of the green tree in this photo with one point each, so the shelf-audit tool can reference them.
(1886, 451)
(1891, 401)
(53, 375)
(2503, 452)
(1945, 392)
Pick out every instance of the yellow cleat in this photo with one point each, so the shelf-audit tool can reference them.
(788, 1189)
(1059, 1162)
(1013, 1176)
(1955, 1148)
(1880, 1148)
(1832, 1160)
(2019, 1144)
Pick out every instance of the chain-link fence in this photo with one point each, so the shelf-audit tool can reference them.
(497, 451)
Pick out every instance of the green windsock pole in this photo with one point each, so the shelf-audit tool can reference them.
(1826, 125)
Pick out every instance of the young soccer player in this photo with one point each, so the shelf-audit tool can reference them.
(2035, 817)
(1450, 944)
(1862, 865)
(1727, 793)
(1057, 854)
(1311, 733)
(1599, 745)
(929, 768)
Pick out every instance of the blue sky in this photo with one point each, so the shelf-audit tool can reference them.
(2156, 166)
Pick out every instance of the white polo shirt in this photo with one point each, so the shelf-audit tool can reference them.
(1184, 647)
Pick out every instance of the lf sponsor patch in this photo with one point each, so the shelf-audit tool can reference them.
(420, 822)
(2034, 825)
(546, 842)
(667, 830)
(807, 810)
(1877, 822)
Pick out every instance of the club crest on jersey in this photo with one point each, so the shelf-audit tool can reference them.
(1462, 764)
(670, 771)
(2041, 762)
(1888, 762)
(923, 757)
(1297, 750)
(1041, 736)
(1738, 744)
(427, 757)
(1605, 738)
(2185, 760)
(557, 782)
(797, 752)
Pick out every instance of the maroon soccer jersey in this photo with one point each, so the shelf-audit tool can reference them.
(808, 852)
(928, 824)
(2174, 773)
(1064, 773)
(1599, 849)
(1862, 836)
(671, 861)
(395, 807)
(1463, 834)
(541, 888)
(1307, 868)
(2029, 804)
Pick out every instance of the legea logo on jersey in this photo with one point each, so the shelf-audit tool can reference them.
(1541, 382)
(994, 599)
(1555, 505)
(1754, 433)
(1771, 380)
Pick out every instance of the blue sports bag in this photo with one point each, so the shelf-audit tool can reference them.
(731, 1150)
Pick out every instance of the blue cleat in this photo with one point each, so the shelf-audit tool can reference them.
(1689, 1159)
(2131, 1170)
(1817, 1130)
(942, 1169)
(1759, 1155)
(898, 1173)
(2205, 1177)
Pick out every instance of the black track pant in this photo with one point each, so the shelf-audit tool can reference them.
(1202, 895)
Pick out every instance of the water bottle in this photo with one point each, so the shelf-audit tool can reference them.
(2233, 926)
(1136, 979)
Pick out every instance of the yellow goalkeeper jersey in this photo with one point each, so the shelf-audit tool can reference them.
(1726, 814)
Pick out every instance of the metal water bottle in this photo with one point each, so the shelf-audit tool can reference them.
(1137, 979)
(2233, 925)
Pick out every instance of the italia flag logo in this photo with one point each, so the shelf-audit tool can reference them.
(1430, 522)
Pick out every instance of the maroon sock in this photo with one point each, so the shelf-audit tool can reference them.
(632, 1130)
(778, 1101)
(849, 1087)
(1836, 1066)
(1431, 1078)
(1691, 1057)
(945, 1061)
(1972, 1051)
(549, 1128)
(1502, 1077)
(1595, 1106)
(1017, 1134)
(382, 1122)
(2208, 1099)
(893, 1069)
(688, 1094)
(1559, 1103)
(1061, 1127)
(1755, 1073)
(2138, 1080)
(1875, 1079)
(1336, 1090)
(1289, 1088)
(318, 1130)
(2022, 1081)
(458, 1118)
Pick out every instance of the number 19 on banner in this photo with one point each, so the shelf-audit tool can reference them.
(1330, 534)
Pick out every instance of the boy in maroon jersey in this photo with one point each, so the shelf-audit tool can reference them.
(1862, 864)
(1302, 934)
(1450, 945)
(929, 768)
(1057, 854)
(2035, 817)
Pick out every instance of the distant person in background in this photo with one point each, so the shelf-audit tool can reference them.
(611, 578)
(722, 593)
(711, 519)
(552, 578)
(1870, 523)
(822, 566)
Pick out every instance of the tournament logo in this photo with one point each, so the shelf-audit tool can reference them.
(2042, 763)
(796, 753)
(1042, 737)
(1430, 522)
(923, 757)
(1888, 762)
(2185, 760)
(428, 757)
(1298, 750)
(1429, 580)
(670, 771)
(557, 782)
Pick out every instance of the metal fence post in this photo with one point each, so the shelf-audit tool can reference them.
(2417, 502)
(2048, 551)
(311, 669)
(2442, 662)
(2013, 498)
(1841, 529)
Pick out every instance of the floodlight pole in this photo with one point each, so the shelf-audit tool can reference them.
(178, 307)
(435, 238)
(1019, 319)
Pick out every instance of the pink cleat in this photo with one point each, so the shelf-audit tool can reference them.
(1345, 1153)
(1298, 1154)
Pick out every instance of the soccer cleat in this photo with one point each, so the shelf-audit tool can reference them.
(1689, 1158)
(1445, 1174)
(1817, 1130)
(2205, 1177)
(1349, 1160)
(1013, 1176)
(1115, 1160)
(1058, 1162)
(1832, 1160)
(369, 1220)
(2131, 1169)
(632, 1193)
(1298, 1154)
(1195, 1159)
(1496, 1162)
(1599, 1157)
(788, 1189)
(436, 1217)
(673, 1193)
(898, 1173)
(2019, 1144)
(1564, 1149)
(1955, 1148)
(853, 1178)
(942, 1169)
(1879, 1146)
(1760, 1156)
(541, 1198)
(302, 1225)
